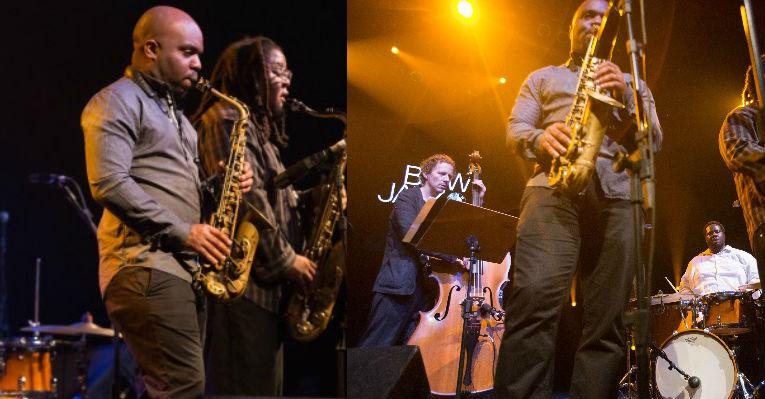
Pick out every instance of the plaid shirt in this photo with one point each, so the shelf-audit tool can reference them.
(275, 252)
(744, 155)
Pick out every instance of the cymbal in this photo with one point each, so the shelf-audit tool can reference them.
(81, 328)
(751, 286)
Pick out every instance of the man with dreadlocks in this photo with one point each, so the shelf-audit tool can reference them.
(244, 350)
(744, 154)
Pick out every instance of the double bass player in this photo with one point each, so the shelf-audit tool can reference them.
(398, 288)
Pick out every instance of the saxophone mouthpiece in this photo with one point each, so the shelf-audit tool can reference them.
(202, 84)
(296, 105)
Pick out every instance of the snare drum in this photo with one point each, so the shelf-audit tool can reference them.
(700, 354)
(671, 314)
(25, 367)
(728, 313)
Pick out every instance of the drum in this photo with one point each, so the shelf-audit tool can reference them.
(670, 314)
(25, 367)
(728, 313)
(700, 354)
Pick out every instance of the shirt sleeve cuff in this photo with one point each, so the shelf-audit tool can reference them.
(174, 239)
(286, 262)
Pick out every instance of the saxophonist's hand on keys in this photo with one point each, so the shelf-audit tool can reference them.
(209, 242)
(608, 76)
(302, 272)
(554, 140)
(245, 179)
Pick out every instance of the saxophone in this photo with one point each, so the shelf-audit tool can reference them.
(307, 314)
(571, 172)
(228, 280)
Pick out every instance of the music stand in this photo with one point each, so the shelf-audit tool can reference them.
(445, 226)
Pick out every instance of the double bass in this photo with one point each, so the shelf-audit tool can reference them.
(459, 337)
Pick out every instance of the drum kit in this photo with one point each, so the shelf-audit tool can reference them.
(29, 367)
(708, 346)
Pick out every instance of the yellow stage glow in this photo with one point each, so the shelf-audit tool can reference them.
(502, 80)
(465, 8)
(394, 50)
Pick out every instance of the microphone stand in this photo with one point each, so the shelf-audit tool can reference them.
(747, 17)
(693, 381)
(471, 321)
(640, 165)
(3, 286)
(78, 201)
(750, 31)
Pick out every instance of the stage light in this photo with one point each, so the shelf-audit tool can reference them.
(394, 50)
(502, 80)
(465, 8)
(573, 304)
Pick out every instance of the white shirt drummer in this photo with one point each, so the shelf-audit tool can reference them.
(720, 267)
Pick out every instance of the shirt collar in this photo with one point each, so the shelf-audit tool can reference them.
(150, 85)
(574, 61)
(726, 248)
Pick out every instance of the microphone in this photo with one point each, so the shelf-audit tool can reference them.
(694, 382)
(301, 168)
(46, 178)
(488, 310)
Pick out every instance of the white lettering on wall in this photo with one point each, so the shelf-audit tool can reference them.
(412, 179)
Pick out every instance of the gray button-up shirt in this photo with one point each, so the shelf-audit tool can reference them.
(545, 98)
(140, 152)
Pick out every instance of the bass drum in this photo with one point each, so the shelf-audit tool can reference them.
(701, 354)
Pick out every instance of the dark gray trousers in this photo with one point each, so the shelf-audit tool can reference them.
(557, 234)
(393, 318)
(243, 353)
(162, 320)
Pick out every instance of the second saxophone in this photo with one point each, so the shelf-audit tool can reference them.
(229, 280)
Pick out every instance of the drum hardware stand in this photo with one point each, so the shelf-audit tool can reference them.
(82, 367)
(118, 390)
(441, 224)
(744, 387)
(35, 322)
(625, 382)
(640, 165)
(3, 286)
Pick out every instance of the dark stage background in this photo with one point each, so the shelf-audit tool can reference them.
(56, 56)
(441, 94)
